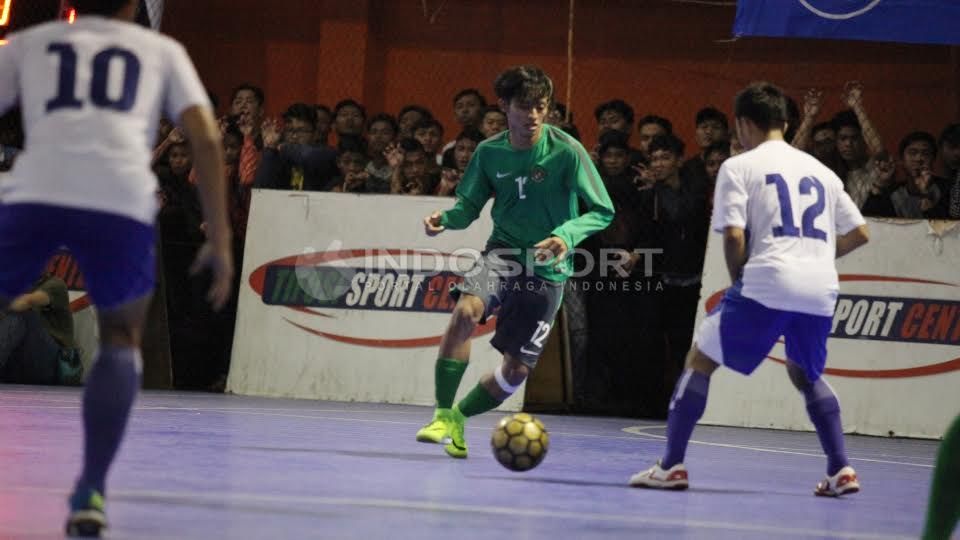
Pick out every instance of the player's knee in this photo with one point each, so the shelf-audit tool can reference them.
(509, 376)
(468, 311)
(798, 377)
(699, 362)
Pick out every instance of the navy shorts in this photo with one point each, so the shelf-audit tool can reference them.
(116, 254)
(740, 332)
(525, 307)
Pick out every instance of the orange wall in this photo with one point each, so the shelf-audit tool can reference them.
(661, 57)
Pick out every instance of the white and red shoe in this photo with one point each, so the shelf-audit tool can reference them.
(843, 483)
(655, 477)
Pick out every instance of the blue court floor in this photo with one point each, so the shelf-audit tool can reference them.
(204, 466)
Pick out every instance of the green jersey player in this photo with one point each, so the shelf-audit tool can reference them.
(538, 175)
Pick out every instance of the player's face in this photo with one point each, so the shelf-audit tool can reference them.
(951, 155)
(246, 106)
(525, 120)
(297, 131)
(462, 153)
(917, 157)
(351, 162)
(614, 161)
(850, 143)
(647, 133)
(468, 109)
(710, 131)
(379, 136)
(407, 120)
(429, 138)
(664, 164)
(323, 126)
(414, 166)
(349, 121)
(231, 149)
(713, 162)
(179, 159)
(493, 122)
(612, 120)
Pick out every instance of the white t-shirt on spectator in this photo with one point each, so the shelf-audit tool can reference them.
(792, 208)
(92, 94)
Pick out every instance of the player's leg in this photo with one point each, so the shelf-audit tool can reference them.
(116, 257)
(943, 510)
(806, 346)
(451, 364)
(738, 335)
(524, 322)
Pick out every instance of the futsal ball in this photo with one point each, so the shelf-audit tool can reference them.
(520, 442)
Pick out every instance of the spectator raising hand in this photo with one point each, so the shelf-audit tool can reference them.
(394, 155)
(271, 130)
(812, 103)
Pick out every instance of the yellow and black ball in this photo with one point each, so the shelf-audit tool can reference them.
(520, 442)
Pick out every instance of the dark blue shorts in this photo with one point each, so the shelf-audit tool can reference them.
(116, 254)
(740, 332)
(525, 306)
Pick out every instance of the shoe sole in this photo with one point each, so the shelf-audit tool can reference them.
(86, 524)
(456, 456)
(835, 494)
(431, 439)
(669, 487)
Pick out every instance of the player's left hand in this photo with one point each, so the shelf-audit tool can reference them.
(431, 223)
(20, 304)
(553, 247)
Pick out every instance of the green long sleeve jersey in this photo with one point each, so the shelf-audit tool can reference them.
(535, 194)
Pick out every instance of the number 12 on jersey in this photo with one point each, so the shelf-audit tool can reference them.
(788, 226)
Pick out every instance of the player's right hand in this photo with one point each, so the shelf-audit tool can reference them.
(431, 224)
(220, 262)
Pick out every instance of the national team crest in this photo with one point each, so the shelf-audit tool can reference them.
(538, 174)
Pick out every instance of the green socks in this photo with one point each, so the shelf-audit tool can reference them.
(943, 510)
(477, 401)
(447, 375)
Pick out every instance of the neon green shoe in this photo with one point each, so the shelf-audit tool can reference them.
(87, 517)
(438, 430)
(457, 447)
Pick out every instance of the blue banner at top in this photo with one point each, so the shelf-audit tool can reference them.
(907, 21)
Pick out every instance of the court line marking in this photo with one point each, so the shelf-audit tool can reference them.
(431, 506)
(633, 430)
(638, 430)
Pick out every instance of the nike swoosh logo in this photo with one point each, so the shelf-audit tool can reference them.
(503, 175)
(526, 351)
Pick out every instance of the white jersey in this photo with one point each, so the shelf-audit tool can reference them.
(92, 94)
(792, 208)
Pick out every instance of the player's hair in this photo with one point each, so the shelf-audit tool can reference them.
(257, 92)
(668, 142)
(822, 126)
(612, 139)
(918, 136)
(349, 103)
(410, 144)
(717, 147)
(386, 119)
(620, 106)
(424, 112)
(351, 144)
(846, 118)
(427, 123)
(711, 113)
(98, 7)
(763, 104)
(667, 125)
(526, 84)
(471, 133)
(470, 92)
(951, 134)
(301, 111)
